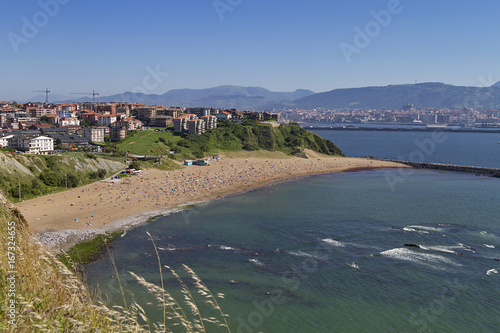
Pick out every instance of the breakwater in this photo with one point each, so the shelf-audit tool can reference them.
(493, 172)
(388, 129)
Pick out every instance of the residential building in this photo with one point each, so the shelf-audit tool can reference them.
(171, 112)
(4, 140)
(94, 134)
(181, 122)
(210, 122)
(132, 124)
(69, 121)
(70, 140)
(91, 117)
(105, 120)
(37, 127)
(160, 121)
(72, 128)
(200, 112)
(31, 144)
(106, 109)
(196, 126)
(224, 115)
(146, 113)
(39, 112)
(118, 131)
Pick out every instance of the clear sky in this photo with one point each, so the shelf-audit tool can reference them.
(111, 46)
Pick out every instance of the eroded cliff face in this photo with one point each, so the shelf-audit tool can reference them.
(27, 165)
(10, 213)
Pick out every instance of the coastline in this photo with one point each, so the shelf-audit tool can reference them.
(63, 219)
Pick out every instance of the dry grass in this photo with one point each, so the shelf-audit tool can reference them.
(51, 298)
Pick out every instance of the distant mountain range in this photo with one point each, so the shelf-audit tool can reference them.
(244, 98)
(422, 95)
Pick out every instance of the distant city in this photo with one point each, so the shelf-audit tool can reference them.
(42, 127)
(407, 114)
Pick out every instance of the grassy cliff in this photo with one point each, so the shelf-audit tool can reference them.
(290, 139)
(38, 293)
(38, 175)
(46, 296)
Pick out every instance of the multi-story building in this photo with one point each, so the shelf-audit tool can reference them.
(200, 112)
(106, 120)
(132, 124)
(196, 126)
(118, 131)
(210, 122)
(171, 112)
(91, 117)
(63, 113)
(224, 115)
(31, 144)
(69, 121)
(160, 121)
(146, 113)
(106, 109)
(181, 122)
(94, 134)
(39, 112)
(4, 141)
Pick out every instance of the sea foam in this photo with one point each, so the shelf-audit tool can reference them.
(333, 242)
(427, 259)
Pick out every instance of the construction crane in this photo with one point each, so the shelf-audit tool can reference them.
(47, 92)
(93, 93)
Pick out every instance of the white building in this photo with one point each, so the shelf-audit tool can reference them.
(4, 141)
(31, 144)
(224, 115)
(105, 120)
(69, 121)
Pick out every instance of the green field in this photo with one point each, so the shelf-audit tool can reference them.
(148, 142)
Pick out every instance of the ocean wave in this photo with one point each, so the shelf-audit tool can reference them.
(467, 248)
(353, 265)
(489, 246)
(415, 230)
(256, 262)
(307, 255)
(226, 248)
(426, 228)
(333, 242)
(440, 248)
(427, 259)
(491, 272)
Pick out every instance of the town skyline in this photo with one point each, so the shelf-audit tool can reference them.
(73, 47)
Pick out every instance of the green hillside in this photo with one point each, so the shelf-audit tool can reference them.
(229, 137)
(35, 175)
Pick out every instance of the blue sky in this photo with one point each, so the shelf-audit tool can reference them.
(112, 46)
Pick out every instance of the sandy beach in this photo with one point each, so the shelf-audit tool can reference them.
(60, 220)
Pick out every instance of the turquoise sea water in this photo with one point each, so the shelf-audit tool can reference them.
(327, 253)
